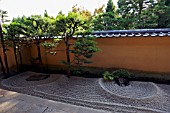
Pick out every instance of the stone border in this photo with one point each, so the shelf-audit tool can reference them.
(158, 91)
(7, 82)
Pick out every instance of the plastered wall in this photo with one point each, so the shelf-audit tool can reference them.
(137, 53)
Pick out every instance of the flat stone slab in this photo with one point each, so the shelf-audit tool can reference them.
(7, 105)
(22, 103)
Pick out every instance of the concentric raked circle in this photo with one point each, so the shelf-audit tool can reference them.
(19, 81)
(136, 89)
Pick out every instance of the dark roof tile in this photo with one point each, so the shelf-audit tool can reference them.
(133, 33)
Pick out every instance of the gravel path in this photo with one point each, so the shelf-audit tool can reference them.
(92, 92)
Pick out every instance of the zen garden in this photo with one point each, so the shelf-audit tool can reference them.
(113, 60)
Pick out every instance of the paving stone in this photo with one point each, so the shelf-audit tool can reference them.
(36, 109)
(23, 105)
(51, 110)
(7, 105)
(68, 108)
(16, 110)
(82, 110)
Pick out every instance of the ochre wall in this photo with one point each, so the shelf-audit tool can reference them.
(137, 53)
(25, 52)
(147, 54)
(52, 59)
(10, 57)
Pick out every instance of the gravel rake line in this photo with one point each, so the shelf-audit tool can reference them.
(135, 91)
(100, 105)
(89, 92)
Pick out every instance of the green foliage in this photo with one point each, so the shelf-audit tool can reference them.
(71, 24)
(128, 13)
(13, 31)
(98, 23)
(68, 26)
(133, 14)
(162, 10)
(110, 6)
(77, 72)
(33, 60)
(86, 72)
(84, 49)
(39, 26)
(48, 45)
(116, 75)
(3, 15)
(108, 76)
(121, 73)
(56, 40)
(99, 10)
(46, 13)
(141, 14)
(105, 20)
(86, 14)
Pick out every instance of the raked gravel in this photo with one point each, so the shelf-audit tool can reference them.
(135, 90)
(93, 92)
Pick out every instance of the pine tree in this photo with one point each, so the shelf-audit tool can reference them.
(106, 20)
(110, 7)
(137, 13)
(3, 14)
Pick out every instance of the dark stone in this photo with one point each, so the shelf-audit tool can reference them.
(37, 77)
(122, 81)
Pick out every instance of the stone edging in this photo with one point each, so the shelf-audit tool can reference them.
(158, 91)
(17, 87)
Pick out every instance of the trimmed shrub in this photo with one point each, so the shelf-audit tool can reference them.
(116, 75)
(121, 73)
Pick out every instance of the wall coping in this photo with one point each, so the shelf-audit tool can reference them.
(132, 33)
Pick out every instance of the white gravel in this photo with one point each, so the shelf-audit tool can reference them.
(19, 81)
(88, 92)
(136, 90)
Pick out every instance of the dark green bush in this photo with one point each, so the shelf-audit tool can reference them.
(77, 72)
(87, 73)
(121, 73)
(116, 74)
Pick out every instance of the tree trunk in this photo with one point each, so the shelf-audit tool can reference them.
(39, 54)
(68, 61)
(141, 6)
(2, 66)
(15, 54)
(68, 57)
(20, 55)
(4, 51)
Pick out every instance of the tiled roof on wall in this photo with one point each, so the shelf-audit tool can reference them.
(132, 33)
